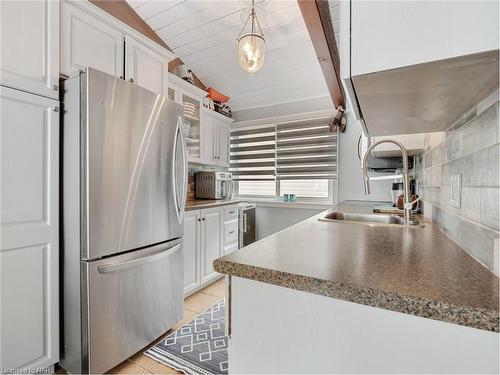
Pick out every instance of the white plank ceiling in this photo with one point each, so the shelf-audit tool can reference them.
(203, 34)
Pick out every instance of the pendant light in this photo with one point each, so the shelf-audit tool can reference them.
(252, 45)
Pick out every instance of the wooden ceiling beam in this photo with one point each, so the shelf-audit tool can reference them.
(316, 14)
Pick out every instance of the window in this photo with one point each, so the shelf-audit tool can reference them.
(298, 157)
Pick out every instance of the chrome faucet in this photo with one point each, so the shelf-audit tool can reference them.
(408, 219)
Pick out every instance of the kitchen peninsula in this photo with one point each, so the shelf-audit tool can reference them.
(359, 297)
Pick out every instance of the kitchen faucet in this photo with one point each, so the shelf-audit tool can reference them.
(408, 219)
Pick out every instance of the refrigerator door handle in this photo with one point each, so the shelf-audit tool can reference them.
(158, 254)
(180, 203)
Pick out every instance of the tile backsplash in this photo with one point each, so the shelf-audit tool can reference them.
(469, 148)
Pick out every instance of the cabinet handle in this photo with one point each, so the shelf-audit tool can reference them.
(55, 87)
(203, 219)
(231, 232)
(121, 77)
(56, 109)
(231, 212)
(131, 80)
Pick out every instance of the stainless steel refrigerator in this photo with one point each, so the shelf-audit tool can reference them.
(124, 176)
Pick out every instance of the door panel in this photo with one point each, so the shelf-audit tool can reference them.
(223, 136)
(133, 299)
(29, 35)
(211, 241)
(87, 41)
(145, 67)
(29, 262)
(191, 251)
(207, 140)
(131, 197)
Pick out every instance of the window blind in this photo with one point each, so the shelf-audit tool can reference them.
(284, 151)
(306, 150)
(253, 153)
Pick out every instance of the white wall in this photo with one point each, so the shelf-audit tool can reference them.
(270, 220)
(350, 172)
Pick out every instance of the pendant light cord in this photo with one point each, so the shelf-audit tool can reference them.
(253, 16)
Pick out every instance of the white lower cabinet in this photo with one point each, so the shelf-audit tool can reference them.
(203, 243)
(29, 225)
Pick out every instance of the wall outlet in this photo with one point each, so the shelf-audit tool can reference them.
(456, 190)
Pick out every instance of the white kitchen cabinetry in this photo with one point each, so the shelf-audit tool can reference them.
(91, 37)
(211, 242)
(88, 41)
(404, 65)
(207, 132)
(29, 248)
(191, 249)
(231, 229)
(29, 36)
(203, 243)
(146, 67)
(215, 137)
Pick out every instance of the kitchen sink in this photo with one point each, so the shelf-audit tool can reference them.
(365, 218)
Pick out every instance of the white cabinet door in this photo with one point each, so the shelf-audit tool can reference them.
(207, 139)
(29, 220)
(223, 136)
(191, 249)
(87, 41)
(29, 36)
(145, 67)
(211, 241)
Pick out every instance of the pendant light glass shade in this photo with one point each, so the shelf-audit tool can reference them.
(251, 51)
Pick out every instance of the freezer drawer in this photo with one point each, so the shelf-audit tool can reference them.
(132, 300)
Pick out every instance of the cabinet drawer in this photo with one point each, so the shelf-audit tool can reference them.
(229, 249)
(231, 232)
(230, 213)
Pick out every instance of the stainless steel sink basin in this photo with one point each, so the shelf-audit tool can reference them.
(365, 218)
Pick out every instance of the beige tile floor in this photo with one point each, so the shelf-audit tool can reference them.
(193, 305)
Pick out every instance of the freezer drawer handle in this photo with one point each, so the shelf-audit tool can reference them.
(112, 267)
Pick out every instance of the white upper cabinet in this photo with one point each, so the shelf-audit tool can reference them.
(416, 66)
(29, 223)
(208, 138)
(146, 67)
(29, 36)
(88, 41)
(92, 37)
(223, 137)
(391, 34)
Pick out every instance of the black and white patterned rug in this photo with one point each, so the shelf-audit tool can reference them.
(198, 347)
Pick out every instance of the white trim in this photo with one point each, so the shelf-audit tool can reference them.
(104, 16)
(272, 104)
(189, 87)
(285, 118)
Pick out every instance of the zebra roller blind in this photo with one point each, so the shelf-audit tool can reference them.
(306, 150)
(285, 151)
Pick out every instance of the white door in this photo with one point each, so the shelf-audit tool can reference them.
(207, 139)
(211, 241)
(29, 225)
(223, 145)
(29, 36)
(145, 67)
(191, 250)
(87, 41)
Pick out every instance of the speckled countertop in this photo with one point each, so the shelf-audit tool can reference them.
(412, 270)
(198, 204)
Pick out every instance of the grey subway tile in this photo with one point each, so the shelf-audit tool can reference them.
(489, 213)
(493, 165)
(451, 225)
(471, 203)
(478, 241)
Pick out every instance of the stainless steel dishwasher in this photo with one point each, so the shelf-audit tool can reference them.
(246, 224)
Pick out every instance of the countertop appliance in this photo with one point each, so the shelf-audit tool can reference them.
(124, 190)
(214, 185)
(246, 224)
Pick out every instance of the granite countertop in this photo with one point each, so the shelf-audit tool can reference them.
(412, 270)
(198, 204)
